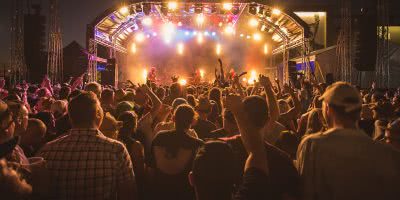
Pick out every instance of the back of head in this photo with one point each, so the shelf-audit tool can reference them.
(184, 116)
(256, 109)
(64, 92)
(129, 120)
(74, 94)
(59, 108)
(215, 94)
(177, 102)
(95, 88)
(107, 96)
(213, 169)
(82, 109)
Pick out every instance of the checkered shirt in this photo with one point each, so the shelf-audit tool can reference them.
(87, 165)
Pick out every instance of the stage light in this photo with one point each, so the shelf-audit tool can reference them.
(220, 24)
(133, 48)
(244, 79)
(248, 37)
(213, 33)
(206, 33)
(200, 19)
(167, 30)
(242, 35)
(253, 77)
(147, 21)
(218, 49)
(182, 82)
(202, 73)
(187, 33)
(144, 75)
(154, 34)
(253, 22)
(229, 30)
(276, 38)
(257, 36)
(124, 10)
(227, 6)
(180, 48)
(179, 23)
(276, 11)
(200, 38)
(253, 7)
(265, 49)
(172, 5)
(139, 37)
(148, 35)
(284, 30)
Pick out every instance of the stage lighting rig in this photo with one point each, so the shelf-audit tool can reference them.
(198, 8)
(124, 10)
(139, 8)
(253, 8)
(261, 10)
(146, 8)
(235, 9)
(276, 11)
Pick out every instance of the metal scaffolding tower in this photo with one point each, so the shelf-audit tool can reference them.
(17, 59)
(344, 44)
(54, 47)
(382, 62)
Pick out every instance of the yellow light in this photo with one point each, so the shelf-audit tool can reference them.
(202, 73)
(147, 21)
(276, 11)
(144, 75)
(218, 49)
(229, 30)
(244, 79)
(200, 38)
(200, 19)
(139, 37)
(253, 77)
(257, 36)
(182, 82)
(133, 48)
(253, 22)
(180, 48)
(220, 24)
(172, 5)
(124, 10)
(227, 6)
(265, 49)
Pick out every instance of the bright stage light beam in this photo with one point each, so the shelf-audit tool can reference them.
(253, 77)
(229, 30)
(200, 38)
(227, 6)
(182, 82)
(133, 48)
(266, 49)
(200, 19)
(257, 36)
(167, 30)
(144, 75)
(180, 48)
(218, 49)
(124, 10)
(276, 11)
(253, 22)
(172, 5)
(202, 73)
(147, 21)
(139, 37)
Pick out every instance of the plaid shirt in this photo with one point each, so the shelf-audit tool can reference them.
(87, 165)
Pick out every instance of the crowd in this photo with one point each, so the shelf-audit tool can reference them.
(203, 141)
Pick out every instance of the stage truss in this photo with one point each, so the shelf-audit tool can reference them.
(114, 28)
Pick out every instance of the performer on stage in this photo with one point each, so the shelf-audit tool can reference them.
(152, 77)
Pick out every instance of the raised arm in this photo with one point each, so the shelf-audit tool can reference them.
(271, 99)
(293, 112)
(156, 101)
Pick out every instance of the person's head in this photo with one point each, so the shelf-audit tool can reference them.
(35, 133)
(256, 110)
(140, 97)
(48, 119)
(315, 121)
(44, 104)
(215, 94)
(43, 92)
(85, 111)
(110, 126)
(342, 105)
(12, 185)
(124, 106)
(184, 117)
(213, 173)
(74, 94)
(20, 116)
(59, 108)
(95, 88)
(204, 106)
(65, 91)
(283, 106)
(382, 110)
(129, 120)
(107, 96)
(7, 125)
(175, 90)
(366, 112)
(191, 100)
(177, 102)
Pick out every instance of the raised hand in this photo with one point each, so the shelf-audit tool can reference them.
(233, 103)
(264, 81)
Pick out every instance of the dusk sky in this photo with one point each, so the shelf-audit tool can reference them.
(75, 15)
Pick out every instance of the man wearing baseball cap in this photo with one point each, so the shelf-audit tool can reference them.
(343, 162)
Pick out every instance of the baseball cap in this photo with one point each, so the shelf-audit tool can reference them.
(344, 95)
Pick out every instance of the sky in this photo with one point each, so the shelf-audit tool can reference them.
(75, 15)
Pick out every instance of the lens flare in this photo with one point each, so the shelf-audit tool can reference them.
(276, 11)
(172, 5)
(200, 19)
(147, 21)
(180, 48)
(124, 10)
(218, 49)
(182, 82)
(139, 37)
(253, 22)
(133, 48)
(227, 6)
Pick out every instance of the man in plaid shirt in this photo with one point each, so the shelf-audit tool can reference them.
(85, 164)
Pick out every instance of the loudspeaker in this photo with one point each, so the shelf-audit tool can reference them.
(365, 36)
(108, 76)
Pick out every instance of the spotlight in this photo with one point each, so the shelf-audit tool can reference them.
(133, 48)
(202, 73)
(187, 33)
(213, 33)
(242, 35)
(227, 6)
(206, 33)
(253, 8)
(182, 82)
(218, 49)
(194, 32)
(139, 37)
(147, 21)
(167, 30)
(220, 24)
(265, 49)
(200, 39)
(248, 37)
(257, 36)
(144, 75)
(172, 5)
(180, 48)
(253, 22)
(154, 34)
(200, 19)
(179, 23)
(124, 10)
(229, 30)
(276, 11)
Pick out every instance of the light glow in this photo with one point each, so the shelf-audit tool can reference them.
(229, 30)
(147, 21)
(253, 77)
(200, 38)
(265, 49)
(200, 19)
(253, 22)
(144, 75)
(133, 48)
(124, 10)
(257, 36)
(218, 49)
(276, 11)
(202, 73)
(180, 48)
(139, 37)
(172, 5)
(167, 30)
(182, 82)
(227, 6)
